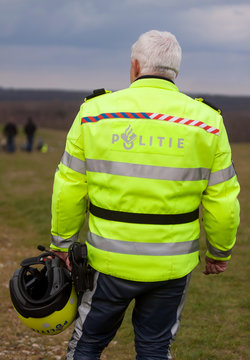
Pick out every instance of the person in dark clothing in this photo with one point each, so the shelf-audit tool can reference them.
(30, 129)
(10, 131)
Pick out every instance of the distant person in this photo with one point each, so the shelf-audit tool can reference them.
(30, 129)
(10, 132)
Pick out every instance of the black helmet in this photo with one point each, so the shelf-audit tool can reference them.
(43, 295)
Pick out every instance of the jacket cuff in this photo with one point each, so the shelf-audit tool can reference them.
(61, 244)
(208, 254)
(56, 248)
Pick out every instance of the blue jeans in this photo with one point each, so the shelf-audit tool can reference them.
(30, 139)
(156, 316)
(10, 146)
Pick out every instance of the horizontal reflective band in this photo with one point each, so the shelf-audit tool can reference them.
(60, 242)
(147, 171)
(216, 252)
(220, 176)
(137, 218)
(142, 248)
(73, 163)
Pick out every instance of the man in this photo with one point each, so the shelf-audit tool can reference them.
(10, 132)
(145, 158)
(30, 129)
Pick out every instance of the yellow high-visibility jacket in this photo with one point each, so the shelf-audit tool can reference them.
(144, 159)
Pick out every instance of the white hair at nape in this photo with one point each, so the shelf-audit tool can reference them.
(158, 53)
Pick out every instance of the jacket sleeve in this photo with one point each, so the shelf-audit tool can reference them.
(220, 204)
(69, 199)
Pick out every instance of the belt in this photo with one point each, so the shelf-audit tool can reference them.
(138, 218)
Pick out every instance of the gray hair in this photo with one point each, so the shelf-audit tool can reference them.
(158, 53)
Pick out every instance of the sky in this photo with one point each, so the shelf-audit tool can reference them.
(85, 44)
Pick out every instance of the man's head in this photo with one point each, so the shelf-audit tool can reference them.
(155, 53)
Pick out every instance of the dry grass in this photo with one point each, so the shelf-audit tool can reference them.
(216, 317)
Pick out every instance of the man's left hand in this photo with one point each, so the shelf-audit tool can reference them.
(214, 266)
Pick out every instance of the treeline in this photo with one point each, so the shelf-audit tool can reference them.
(41, 95)
(57, 109)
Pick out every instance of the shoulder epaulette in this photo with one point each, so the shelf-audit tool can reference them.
(208, 104)
(97, 92)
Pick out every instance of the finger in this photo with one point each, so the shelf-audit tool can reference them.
(221, 268)
(214, 269)
(210, 269)
(207, 270)
(68, 265)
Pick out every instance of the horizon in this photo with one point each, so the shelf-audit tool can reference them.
(114, 90)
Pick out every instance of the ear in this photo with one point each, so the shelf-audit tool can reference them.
(137, 68)
(134, 70)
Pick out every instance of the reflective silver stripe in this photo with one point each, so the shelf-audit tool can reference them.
(180, 308)
(220, 176)
(217, 252)
(147, 171)
(73, 163)
(142, 248)
(60, 242)
(83, 310)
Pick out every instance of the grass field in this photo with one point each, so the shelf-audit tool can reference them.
(215, 322)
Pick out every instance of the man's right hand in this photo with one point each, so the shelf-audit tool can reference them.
(64, 256)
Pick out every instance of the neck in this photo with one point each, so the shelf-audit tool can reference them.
(154, 77)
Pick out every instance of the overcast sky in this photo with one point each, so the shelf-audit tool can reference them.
(85, 44)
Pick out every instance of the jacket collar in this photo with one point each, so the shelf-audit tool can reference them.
(154, 81)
